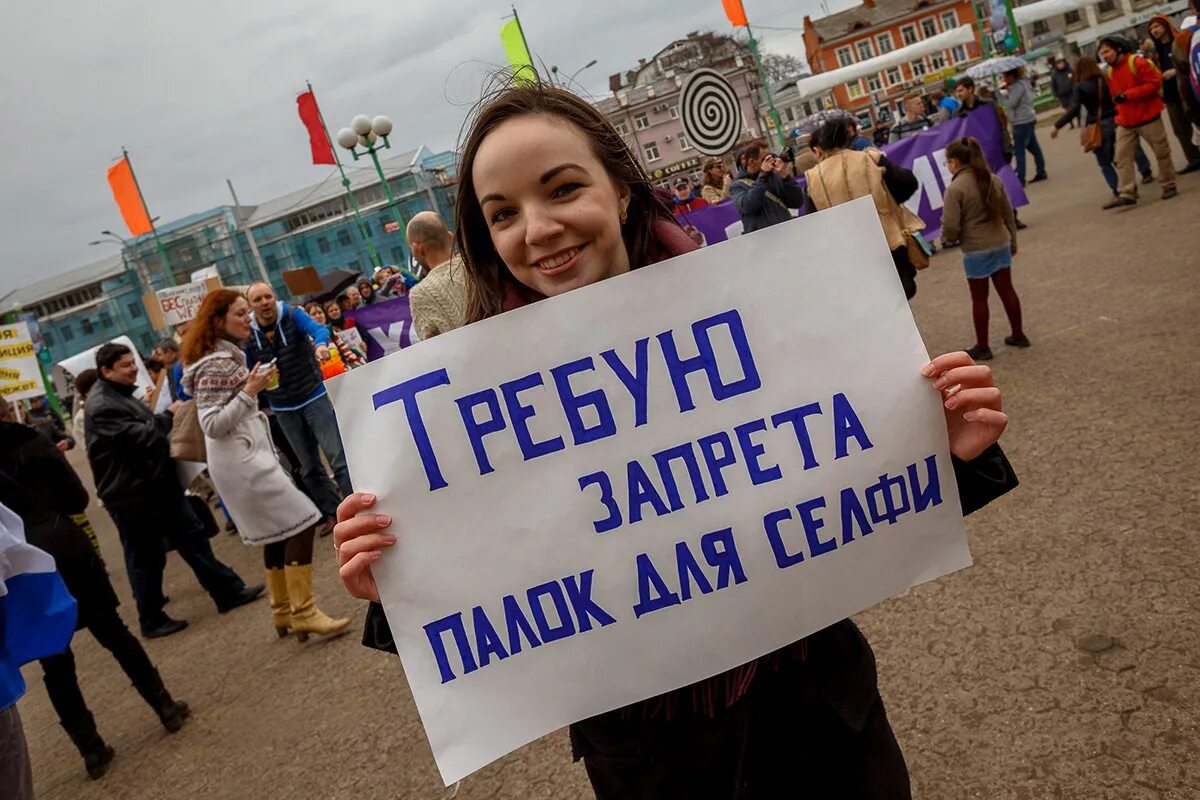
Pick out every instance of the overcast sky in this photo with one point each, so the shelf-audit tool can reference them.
(203, 91)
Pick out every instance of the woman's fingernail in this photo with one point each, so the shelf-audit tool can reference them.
(390, 538)
(375, 554)
(969, 416)
(383, 520)
(952, 402)
(940, 383)
(369, 499)
(927, 370)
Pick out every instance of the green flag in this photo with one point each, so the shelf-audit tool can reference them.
(515, 49)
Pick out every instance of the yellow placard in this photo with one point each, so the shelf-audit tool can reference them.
(7, 389)
(22, 350)
(7, 374)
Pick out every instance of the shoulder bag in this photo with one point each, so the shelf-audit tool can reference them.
(187, 437)
(1091, 136)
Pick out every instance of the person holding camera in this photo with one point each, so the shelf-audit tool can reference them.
(765, 190)
(267, 507)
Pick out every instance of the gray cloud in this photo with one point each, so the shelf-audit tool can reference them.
(200, 92)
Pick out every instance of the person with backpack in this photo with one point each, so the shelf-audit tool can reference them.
(1161, 45)
(1136, 88)
(1186, 56)
(978, 213)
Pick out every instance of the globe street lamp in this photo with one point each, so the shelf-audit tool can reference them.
(366, 133)
(570, 80)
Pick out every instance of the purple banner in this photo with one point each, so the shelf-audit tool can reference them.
(924, 154)
(385, 327)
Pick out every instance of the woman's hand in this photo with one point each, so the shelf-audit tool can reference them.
(359, 539)
(1054, 133)
(974, 419)
(258, 380)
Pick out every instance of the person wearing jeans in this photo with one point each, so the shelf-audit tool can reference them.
(1024, 124)
(288, 336)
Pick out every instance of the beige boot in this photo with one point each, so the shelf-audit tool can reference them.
(306, 617)
(281, 609)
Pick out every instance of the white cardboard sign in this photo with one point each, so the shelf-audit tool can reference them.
(180, 303)
(642, 483)
(20, 375)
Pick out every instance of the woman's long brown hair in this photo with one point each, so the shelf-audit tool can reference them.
(204, 331)
(967, 152)
(488, 278)
(1087, 69)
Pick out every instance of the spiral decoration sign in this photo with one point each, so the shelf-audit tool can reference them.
(709, 110)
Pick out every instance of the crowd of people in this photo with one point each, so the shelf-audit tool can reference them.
(241, 396)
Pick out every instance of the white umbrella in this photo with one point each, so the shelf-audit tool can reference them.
(995, 66)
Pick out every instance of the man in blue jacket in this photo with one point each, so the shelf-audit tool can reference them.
(764, 189)
(297, 343)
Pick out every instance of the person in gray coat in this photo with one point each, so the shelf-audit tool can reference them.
(1024, 124)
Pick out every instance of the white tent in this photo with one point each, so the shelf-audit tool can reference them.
(824, 81)
(1029, 14)
(66, 370)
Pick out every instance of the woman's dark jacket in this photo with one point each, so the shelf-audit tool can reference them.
(839, 662)
(1091, 96)
(38, 484)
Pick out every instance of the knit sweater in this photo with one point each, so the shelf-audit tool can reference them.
(439, 302)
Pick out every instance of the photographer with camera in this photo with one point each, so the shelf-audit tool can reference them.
(765, 188)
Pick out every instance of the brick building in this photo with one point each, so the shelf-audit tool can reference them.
(644, 102)
(877, 27)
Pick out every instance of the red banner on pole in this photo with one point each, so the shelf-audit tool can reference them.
(318, 139)
(735, 12)
(129, 200)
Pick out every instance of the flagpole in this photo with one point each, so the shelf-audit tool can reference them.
(521, 30)
(162, 251)
(766, 83)
(375, 260)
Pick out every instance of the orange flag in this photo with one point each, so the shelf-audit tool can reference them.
(735, 12)
(129, 200)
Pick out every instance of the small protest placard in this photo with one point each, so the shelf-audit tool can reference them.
(180, 303)
(645, 482)
(20, 375)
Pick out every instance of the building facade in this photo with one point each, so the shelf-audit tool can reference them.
(880, 26)
(1077, 32)
(644, 107)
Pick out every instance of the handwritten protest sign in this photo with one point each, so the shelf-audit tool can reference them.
(20, 375)
(180, 303)
(645, 482)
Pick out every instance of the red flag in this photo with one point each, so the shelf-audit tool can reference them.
(129, 200)
(318, 139)
(735, 12)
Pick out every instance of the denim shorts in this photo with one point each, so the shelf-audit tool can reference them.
(983, 263)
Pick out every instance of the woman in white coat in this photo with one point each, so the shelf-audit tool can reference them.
(265, 505)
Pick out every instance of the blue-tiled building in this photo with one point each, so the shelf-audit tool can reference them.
(314, 226)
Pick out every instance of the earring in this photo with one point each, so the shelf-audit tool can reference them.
(624, 216)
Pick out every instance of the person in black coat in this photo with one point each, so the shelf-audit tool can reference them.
(38, 484)
(130, 453)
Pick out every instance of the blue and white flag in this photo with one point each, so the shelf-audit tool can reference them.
(37, 613)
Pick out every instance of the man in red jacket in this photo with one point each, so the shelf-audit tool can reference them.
(1135, 85)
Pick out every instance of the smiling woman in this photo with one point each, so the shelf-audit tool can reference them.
(550, 199)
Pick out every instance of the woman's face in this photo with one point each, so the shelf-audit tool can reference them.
(365, 290)
(236, 323)
(317, 313)
(333, 312)
(552, 210)
(954, 165)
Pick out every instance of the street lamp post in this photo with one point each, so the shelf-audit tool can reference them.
(570, 80)
(112, 238)
(365, 132)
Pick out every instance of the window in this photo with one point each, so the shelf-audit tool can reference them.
(105, 319)
(86, 324)
(1107, 7)
(855, 90)
(864, 121)
(908, 34)
(343, 237)
(884, 42)
(47, 339)
(641, 122)
(651, 150)
(845, 56)
(790, 115)
(622, 128)
(1040, 28)
(937, 61)
(894, 77)
(271, 262)
(864, 50)
(683, 143)
(134, 309)
(949, 19)
(1072, 18)
(674, 112)
(398, 255)
(918, 68)
(355, 266)
(323, 244)
(874, 84)
(959, 54)
(67, 333)
(928, 27)
(302, 251)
